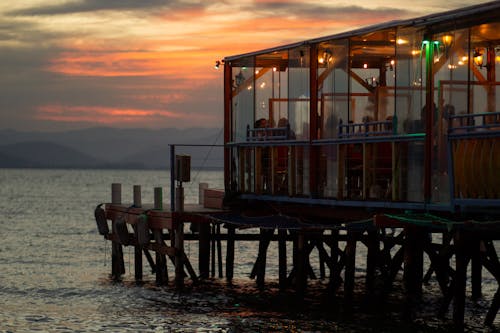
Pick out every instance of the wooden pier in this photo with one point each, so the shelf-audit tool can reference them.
(396, 244)
(385, 137)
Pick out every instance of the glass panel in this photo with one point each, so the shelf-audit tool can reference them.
(333, 86)
(298, 184)
(475, 167)
(242, 99)
(298, 92)
(280, 173)
(246, 170)
(372, 78)
(271, 82)
(450, 81)
(410, 83)
(328, 171)
(407, 183)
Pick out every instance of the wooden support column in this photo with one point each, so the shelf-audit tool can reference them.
(371, 260)
(476, 269)
(179, 238)
(204, 250)
(260, 264)
(334, 254)
(179, 255)
(414, 260)
(117, 263)
(219, 252)
(282, 258)
(230, 253)
(161, 260)
(212, 251)
(491, 263)
(461, 262)
(350, 268)
(301, 278)
(137, 248)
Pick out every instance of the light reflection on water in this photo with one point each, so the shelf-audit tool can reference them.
(54, 266)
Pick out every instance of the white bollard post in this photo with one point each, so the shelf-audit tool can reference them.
(116, 193)
(201, 194)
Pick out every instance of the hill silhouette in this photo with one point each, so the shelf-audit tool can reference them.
(108, 148)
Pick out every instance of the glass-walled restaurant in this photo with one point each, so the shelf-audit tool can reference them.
(403, 114)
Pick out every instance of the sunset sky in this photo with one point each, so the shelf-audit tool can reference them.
(68, 64)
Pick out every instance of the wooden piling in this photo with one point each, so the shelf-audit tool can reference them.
(117, 262)
(414, 260)
(350, 268)
(334, 255)
(137, 248)
(219, 251)
(230, 253)
(282, 274)
(476, 270)
(179, 240)
(260, 263)
(204, 250)
(161, 260)
(179, 256)
(461, 261)
(212, 249)
(371, 260)
(301, 278)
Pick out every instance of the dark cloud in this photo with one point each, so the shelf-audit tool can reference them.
(319, 11)
(83, 6)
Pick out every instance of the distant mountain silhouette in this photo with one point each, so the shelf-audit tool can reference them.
(41, 154)
(108, 148)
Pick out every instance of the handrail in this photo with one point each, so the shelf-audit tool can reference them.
(467, 122)
(268, 133)
(369, 128)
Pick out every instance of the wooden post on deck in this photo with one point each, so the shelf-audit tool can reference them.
(137, 248)
(161, 260)
(117, 263)
(116, 193)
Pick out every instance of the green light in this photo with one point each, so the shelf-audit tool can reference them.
(425, 42)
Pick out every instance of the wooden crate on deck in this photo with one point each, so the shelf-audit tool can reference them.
(213, 198)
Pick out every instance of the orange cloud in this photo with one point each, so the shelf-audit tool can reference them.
(103, 115)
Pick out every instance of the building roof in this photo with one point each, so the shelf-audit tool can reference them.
(449, 20)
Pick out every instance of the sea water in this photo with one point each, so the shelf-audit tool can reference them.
(55, 270)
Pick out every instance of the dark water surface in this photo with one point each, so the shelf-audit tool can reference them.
(54, 273)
